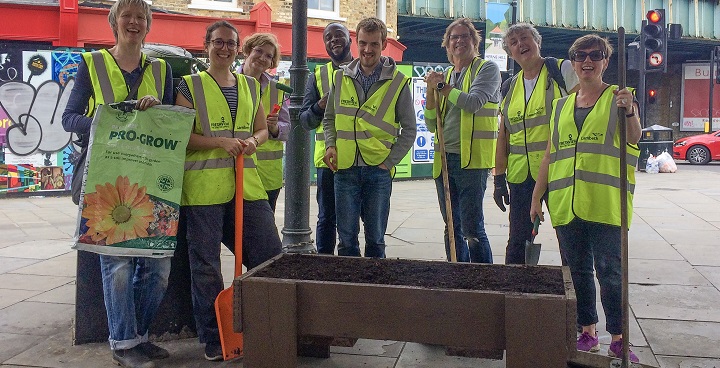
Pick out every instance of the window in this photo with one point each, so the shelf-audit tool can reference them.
(223, 5)
(324, 9)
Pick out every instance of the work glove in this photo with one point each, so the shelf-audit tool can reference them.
(500, 194)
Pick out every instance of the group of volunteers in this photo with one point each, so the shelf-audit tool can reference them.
(558, 142)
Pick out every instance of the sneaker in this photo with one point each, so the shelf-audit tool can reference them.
(616, 348)
(132, 358)
(213, 352)
(586, 342)
(153, 351)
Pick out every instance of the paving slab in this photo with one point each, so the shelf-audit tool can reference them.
(14, 344)
(636, 336)
(62, 265)
(678, 236)
(9, 264)
(33, 318)
(683, 338)
(37, 249)
(380, 348)
(416, 355)
(688, 303)
(12, 236)
(700, 254)
(711, 273)
(32, 282)
(61, 295)
(689, 222)
(675, 362)
(417, 250)
(652, 249)
(645, 271)
(9, 297)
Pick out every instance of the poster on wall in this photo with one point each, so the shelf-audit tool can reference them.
(37, 67)
(496, 24)
(423, 150)
(696, 98)
(64, 65)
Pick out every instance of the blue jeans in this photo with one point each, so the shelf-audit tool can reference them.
(467, 188)
(133, 288)
(520, 224)
(586, 244)
(325, 232)
(363, 189)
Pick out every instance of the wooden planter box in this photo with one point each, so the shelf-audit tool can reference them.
(534, 329)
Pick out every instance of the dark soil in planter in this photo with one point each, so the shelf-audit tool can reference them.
(429, 274)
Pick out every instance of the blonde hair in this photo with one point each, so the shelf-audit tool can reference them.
(120, 4)
(262, 39)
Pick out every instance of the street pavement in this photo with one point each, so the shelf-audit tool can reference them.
(674, 259)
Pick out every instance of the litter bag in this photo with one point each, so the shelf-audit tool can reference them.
(652, 166)
(130, 201)
(666, 164)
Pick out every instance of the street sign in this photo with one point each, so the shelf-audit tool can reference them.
(655, 59)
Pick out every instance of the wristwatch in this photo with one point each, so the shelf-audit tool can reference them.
(440, 86)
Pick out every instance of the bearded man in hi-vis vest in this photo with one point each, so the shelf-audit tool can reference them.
(369, 127)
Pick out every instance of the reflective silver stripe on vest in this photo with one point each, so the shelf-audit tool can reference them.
(269, 155)
(157, 73)
(251, 86)
(103, 77)
(484, 135)
(242, 135)
(377, 119)
(273, 94)
(531, 147)
(518, 150)
(350, 135)
(556, 129)
(248, 163)
(211, 163)
(325, 79)
(201, 106)
(589, 177)
(320, 137)
(486, 112)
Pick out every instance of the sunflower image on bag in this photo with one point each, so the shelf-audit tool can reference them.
(133, 181)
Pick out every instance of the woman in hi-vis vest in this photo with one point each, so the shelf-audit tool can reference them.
(105, 77)
(229, 121)
(581, 173)
(262, 54)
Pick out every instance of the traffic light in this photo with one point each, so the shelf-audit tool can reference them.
(651, 94)
(654, 38)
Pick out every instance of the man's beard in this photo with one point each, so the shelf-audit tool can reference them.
(340, 58)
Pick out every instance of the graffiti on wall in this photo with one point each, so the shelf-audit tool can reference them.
(36, 151)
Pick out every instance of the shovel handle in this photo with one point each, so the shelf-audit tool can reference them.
(239, 166)
(536, 225)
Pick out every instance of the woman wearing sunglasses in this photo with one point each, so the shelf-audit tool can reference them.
(262, 53)
(229, 121)
(524, 132)
(581, 172)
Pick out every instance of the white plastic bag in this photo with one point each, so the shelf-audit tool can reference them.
(652, 166)
(666, 164)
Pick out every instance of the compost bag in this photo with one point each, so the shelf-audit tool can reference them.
(130, 202)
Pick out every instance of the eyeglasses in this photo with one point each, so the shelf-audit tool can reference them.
(595, 55)
(463, 36)
(219, 43)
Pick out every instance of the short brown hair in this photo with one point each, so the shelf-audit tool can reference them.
(262, 39)
(589, 41)
(474, 36)
(221, 23)
(115, 9)
(370, 25)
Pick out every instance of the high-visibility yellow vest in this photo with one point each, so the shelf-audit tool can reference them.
(270, 154)
(528, 124)
(109, 84)
(324, 80)
(584, 173)
(210, 174)
(370, 128)
(478, 131)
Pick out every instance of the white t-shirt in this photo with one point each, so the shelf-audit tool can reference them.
(571, 80)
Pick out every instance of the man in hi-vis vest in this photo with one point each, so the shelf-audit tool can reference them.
(369, 127)
(337, 44)
(469, 97)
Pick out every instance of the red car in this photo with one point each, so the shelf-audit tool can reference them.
(698, 149)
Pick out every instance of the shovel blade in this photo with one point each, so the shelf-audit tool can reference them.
(231, 342)
(532, 253)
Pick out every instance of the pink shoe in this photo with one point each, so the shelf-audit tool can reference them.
(615, 351)
(587, 342)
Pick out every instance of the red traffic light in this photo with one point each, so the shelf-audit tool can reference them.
(654, 16)
(651, 95)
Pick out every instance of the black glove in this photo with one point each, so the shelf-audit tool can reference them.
(500, 194)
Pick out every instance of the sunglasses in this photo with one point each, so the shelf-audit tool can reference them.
(595, 55)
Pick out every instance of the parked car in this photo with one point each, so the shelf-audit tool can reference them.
(698, 149)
